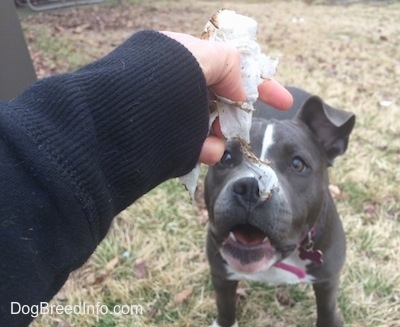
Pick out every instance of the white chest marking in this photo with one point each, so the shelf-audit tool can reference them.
(275, 275)
(268, 140)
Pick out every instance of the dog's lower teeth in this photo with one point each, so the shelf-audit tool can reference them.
(265, 239)
(232, 236)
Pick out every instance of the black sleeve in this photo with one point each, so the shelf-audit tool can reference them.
(76, 149)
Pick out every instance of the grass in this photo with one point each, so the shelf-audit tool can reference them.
(154, 253)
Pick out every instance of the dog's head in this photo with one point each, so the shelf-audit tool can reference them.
(253, 233)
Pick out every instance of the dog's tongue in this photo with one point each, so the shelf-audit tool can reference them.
(248, 250)
(248, 235)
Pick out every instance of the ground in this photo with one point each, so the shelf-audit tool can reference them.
(154, 254)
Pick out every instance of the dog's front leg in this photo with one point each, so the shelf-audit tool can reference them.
(326, 297)
(226, 301)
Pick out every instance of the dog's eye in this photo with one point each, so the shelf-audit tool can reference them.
(226, 159)
(298, 165)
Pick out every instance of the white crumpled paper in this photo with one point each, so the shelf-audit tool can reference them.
(235, 118)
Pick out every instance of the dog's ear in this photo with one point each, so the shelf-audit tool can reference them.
(331, 127)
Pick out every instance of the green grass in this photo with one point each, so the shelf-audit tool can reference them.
(348, 56)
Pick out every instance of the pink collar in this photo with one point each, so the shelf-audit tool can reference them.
(306, 252)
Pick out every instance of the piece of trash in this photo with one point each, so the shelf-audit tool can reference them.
(385, 103)
(297, 20)
(235, 117)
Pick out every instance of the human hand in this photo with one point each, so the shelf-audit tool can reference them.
(220, 63)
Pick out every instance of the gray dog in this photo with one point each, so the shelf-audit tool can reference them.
(294, 236)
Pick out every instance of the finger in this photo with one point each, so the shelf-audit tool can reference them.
(216, 129)
(224, 76)
(274, 94)
(212, 150)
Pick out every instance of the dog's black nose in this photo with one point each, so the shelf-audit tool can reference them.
(246, 190)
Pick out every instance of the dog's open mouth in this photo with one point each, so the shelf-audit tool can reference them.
(248, 235)
(247, 249)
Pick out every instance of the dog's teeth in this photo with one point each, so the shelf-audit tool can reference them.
(232, 236)
(265, 239)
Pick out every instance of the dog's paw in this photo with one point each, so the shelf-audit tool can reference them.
(215, 324)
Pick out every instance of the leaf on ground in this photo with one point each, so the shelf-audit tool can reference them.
(335, 191)
(112, 263)
(371, 212)
(199, 197)
(184, 295)
(285, 299)
(200, 204)
(140, 269)
(98, 279)
(241, 292)
(202, 217)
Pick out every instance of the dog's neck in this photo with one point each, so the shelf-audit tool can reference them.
(306, 252)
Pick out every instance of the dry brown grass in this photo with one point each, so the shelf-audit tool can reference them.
(347, 55)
